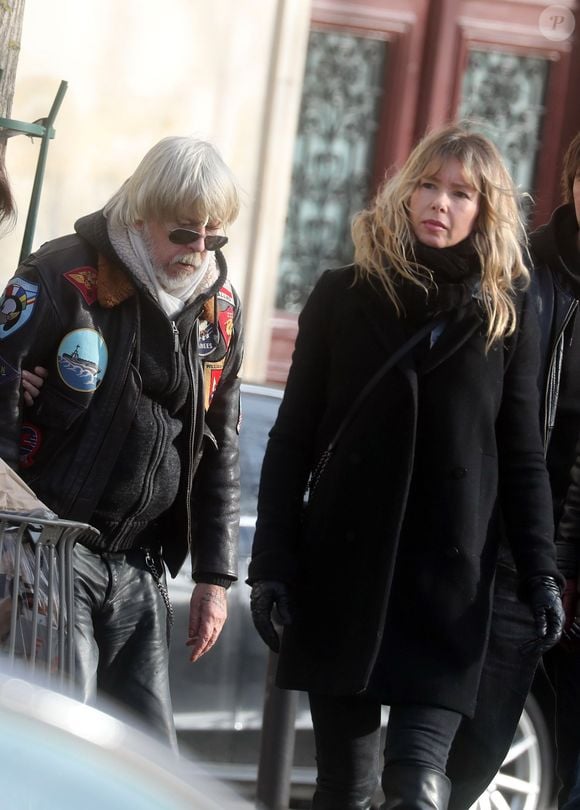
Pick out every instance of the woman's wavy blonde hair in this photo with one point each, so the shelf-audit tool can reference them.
(383, 236)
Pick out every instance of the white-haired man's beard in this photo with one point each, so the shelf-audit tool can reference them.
(178, 271)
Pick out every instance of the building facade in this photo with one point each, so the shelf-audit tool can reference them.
(378, 76)
(310, 102)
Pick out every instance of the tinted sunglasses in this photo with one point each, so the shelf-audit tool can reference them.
(183, 236)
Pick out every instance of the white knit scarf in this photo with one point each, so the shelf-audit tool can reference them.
(132, 250)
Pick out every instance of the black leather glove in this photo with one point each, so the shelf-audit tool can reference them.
(543, 594)
(264, 596)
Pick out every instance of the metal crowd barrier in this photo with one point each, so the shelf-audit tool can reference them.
(36, 592)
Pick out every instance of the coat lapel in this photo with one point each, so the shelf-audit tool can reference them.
(380, 315)
(459, 328)
(391, 331)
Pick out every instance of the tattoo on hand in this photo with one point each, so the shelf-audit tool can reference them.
(218, 599)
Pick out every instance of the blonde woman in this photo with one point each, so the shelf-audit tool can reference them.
(384, 579)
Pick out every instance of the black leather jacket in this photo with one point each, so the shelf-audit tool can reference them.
(74, 293)
(557, 307)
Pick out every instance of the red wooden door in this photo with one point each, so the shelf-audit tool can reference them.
(382, 72)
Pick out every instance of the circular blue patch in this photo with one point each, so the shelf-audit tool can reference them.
(82, 359)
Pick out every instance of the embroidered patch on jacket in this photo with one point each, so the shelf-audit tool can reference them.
(207, 339)
(82, 359)
(226, 322)
(7, 372)
(16, 305)
(85, 280)
(212, 373)
(30, 444)
(225, 293)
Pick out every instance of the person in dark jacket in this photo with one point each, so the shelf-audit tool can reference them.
(563, 662)
(383, 580)
(135, 430)
(482, 742)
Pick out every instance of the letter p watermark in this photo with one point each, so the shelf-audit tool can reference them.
(557, 23)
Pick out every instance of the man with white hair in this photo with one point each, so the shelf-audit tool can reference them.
(136, 429)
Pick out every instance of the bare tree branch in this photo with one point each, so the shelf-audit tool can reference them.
(11, 14)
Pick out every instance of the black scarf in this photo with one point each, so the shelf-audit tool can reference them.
(456, 275)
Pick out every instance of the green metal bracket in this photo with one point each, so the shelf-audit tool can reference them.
(43, 128)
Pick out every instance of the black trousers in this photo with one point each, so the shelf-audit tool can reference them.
(562, 665)
(347, 737)
(482, 743)
(121, 637)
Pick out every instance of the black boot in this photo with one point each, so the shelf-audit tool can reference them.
(349, 800)
(327, 803)
(414, 787)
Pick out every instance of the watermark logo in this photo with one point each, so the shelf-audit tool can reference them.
(557, 23)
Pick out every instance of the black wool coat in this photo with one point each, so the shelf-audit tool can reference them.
(391, 563)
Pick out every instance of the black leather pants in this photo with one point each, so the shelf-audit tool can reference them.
(122, 638)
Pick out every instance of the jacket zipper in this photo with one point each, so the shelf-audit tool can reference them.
(191, 450)
(553, 386)
(154, 464)
(128, 521)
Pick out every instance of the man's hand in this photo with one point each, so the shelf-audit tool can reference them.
(32, 382)
(208, 610)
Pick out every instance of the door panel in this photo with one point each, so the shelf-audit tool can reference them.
(333, 158)
(423, 63)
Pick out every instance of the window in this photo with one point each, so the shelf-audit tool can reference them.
(333, 156)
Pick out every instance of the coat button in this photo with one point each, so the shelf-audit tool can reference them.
(355, 458)
(452, 552)
(458, 472)
(350, 536)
